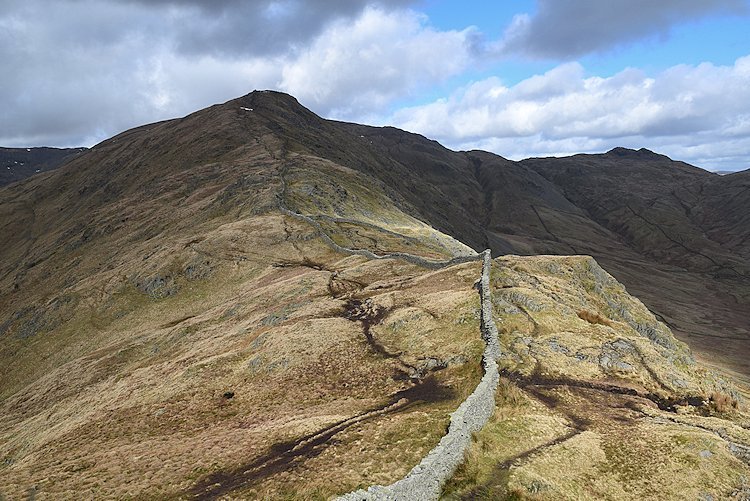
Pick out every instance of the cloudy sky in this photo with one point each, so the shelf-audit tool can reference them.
(520, 78)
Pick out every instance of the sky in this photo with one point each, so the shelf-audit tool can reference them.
(519, 78)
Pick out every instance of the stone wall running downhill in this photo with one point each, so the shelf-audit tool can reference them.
(426, 480)
(419, 261)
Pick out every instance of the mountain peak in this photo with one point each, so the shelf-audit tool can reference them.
(641, 154)
(270, 96)
(278, 106)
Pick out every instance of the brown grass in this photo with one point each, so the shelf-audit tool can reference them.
(508, 394)
(157, 380)
(721, 402)
(594, 318)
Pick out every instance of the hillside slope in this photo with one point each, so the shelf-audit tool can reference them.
(181, 317)
(19, 163)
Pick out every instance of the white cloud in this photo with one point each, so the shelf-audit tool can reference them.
(359, 68)
(696, 113)
(94, 85)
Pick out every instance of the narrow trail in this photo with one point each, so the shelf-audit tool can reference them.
(425, 480)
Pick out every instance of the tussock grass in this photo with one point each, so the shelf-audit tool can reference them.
(722, 403)
(594, 318)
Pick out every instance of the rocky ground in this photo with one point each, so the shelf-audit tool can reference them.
(598, 400)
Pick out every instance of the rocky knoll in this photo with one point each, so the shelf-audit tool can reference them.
(597, 399)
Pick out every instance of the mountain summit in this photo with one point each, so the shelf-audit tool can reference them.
(252, 301)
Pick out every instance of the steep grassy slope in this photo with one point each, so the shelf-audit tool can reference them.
(598, 400)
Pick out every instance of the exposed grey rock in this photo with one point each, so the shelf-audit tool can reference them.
(504, 306)
(273, 319)
(519, 299)
(678, 382)
(157, 286)
(198, 269)
(555, 345)
(613, 354)
(741, 452)
(31, 320)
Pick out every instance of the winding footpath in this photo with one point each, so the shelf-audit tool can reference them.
(426, 480)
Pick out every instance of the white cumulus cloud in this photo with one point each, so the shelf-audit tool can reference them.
(78, 72)
(358, 68)
(695, 113)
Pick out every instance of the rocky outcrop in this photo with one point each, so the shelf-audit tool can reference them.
(419, 261)
(426, 480)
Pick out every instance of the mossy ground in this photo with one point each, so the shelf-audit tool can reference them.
(578, 419)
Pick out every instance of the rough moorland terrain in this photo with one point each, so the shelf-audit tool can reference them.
(181, 335)
(597, 399)
(180, 318)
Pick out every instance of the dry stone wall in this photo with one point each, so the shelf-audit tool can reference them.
(426, 480)
(419, 261)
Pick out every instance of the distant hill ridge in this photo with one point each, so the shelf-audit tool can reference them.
(19, 163)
